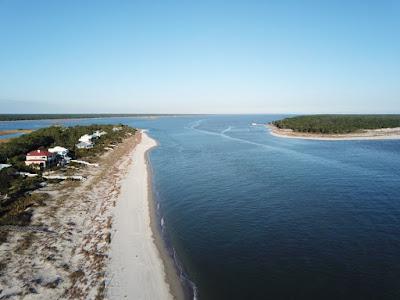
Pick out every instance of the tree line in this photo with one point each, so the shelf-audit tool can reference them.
(15, 150)
(336, 124)
(19, 117)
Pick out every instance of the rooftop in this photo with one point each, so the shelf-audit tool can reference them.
(39, 152)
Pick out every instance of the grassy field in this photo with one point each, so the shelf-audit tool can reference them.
(336, 124)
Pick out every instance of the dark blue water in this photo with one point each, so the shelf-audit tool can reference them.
(252, 216)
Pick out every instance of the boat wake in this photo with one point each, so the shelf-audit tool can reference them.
(300, 155)
(226, 130)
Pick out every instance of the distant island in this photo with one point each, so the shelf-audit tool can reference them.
(338, 127)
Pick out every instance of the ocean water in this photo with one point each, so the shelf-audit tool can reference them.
(252, 216)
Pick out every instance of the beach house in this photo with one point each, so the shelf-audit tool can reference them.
(98, 134)
(40, 158)
(84, 145)
(61, 151)
(62, 155)
(85, 142)
(86, 138)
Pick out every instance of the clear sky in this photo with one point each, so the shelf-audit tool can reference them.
(199, 56)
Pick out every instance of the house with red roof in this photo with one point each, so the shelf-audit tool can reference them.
(40, 158)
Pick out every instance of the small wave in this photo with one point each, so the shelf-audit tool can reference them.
(189, 287)
(194, 289)
(194, 124)
(183, 277)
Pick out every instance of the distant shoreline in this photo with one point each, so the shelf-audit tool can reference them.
(60, 117)
(371, 134)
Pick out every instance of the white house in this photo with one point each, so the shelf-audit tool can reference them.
(85, 142)
(98, 133)
(61, 151)
(84, 145)
(87, 138)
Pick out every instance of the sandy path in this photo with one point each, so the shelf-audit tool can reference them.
(136, 270)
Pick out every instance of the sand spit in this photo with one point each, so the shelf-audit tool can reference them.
(13, 131)
(63, 254)
(370, 134)
(136, 269)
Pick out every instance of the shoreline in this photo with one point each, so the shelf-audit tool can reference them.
(155, 116)
(172, 276)
(378, 134)
(139, 266)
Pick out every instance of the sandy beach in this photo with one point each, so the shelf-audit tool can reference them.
(63, 253)
(376, 134)
(136, 269)
(92, 239)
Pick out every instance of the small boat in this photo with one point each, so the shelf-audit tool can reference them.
(254, 124)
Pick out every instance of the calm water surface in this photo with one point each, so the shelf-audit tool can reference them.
(252, 216)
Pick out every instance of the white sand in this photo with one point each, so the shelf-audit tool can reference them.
(135, 270)
(371, 134)
(62, 254)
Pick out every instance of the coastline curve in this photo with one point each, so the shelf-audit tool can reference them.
(136, 269)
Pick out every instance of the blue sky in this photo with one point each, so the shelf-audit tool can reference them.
(199, 57)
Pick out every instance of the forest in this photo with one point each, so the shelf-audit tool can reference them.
(336, 124)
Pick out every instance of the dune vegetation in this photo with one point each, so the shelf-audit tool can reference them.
(15, 189)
